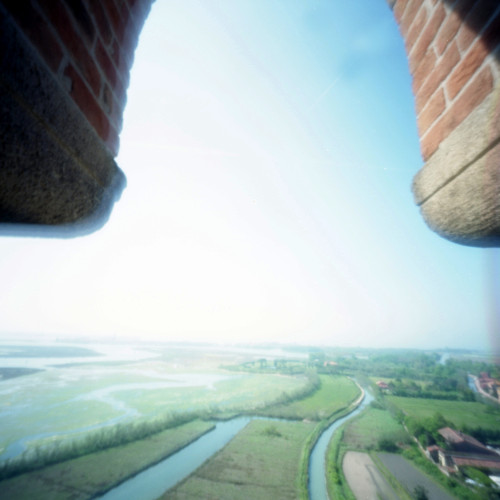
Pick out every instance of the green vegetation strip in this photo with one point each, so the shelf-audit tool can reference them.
(96, 473)
(94, 441)
(334, 394)
(348, 405)
(261, 462)
(336, 482)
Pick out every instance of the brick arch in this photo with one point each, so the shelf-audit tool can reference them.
(453, 49)
(64, 71)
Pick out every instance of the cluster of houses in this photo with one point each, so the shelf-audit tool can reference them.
(382, 385)
(489, 385)
(461, 451)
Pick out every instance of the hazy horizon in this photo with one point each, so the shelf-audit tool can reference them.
(47, 339)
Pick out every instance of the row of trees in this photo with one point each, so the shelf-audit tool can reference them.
(416, 365)
(412, 373)
(263, 365)
(448, 389)
(93, 441)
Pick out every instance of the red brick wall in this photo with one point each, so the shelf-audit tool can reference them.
(453, 52)
(89, 46)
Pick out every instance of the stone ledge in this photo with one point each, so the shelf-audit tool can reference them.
(458, 188)
(54, 169)
(467, 209)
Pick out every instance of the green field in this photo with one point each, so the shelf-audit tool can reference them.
(335, 393)
(261, 462)
(459, 412)
(92, 474)
(365, 431)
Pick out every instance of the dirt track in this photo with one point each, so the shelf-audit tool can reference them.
(364, 479)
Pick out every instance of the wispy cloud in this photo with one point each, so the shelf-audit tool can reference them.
(323, 94)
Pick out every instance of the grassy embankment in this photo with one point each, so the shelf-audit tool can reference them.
(348, 394)
(334, 394)
(372, 429)
(93, 442)
(269, 459)
(243, 392)
(329, 403)
(93, 474)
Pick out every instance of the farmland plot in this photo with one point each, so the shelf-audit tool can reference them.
(364, 478)
(459, 412)
(410, 477)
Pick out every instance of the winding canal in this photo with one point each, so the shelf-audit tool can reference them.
(154, 481)
(317, 469)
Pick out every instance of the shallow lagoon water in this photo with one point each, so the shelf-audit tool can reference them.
(105, 395)
(104, 353)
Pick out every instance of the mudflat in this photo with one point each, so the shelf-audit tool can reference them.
(364, 478)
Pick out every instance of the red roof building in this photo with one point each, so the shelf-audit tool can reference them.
(464, 450)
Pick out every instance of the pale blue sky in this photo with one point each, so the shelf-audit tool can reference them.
(269, 147)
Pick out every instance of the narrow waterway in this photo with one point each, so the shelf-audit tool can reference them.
(472, 383)
(317, 470)
(154, 481)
